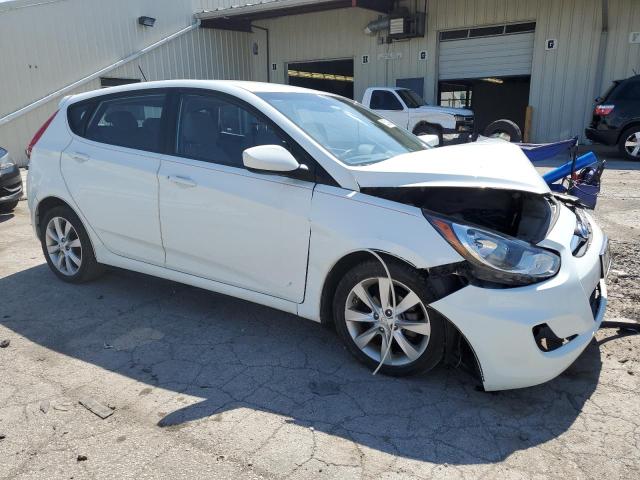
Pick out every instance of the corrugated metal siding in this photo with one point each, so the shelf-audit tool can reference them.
(65, 42)
(622, 57)
(562, 80)
(503, 55)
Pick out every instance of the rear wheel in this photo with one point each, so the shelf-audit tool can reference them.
(367, 323)
(629, 144)
(67, 248)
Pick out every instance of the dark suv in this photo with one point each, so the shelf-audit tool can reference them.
(616, 118)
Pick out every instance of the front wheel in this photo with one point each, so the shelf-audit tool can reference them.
(367, 322)
(67, 248)
(629, 144)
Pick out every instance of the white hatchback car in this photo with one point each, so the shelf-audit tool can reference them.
(310, 203)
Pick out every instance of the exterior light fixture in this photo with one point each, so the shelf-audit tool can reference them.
(146, 21)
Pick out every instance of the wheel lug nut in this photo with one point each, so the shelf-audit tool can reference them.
(376, 316)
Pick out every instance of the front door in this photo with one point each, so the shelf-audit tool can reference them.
(223, 222)
(111, 171)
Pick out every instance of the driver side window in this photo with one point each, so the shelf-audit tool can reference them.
(215, 130)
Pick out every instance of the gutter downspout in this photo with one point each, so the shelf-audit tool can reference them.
(18, 113)
(266, 30)
(602, 49)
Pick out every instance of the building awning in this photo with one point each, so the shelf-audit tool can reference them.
(240, 17)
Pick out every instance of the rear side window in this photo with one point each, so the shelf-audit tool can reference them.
(218, 131)
(627, 91)
(384, 100)
(133, 121)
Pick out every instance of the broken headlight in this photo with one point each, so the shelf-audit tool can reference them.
(495, 257)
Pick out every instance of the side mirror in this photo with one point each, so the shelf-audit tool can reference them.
(269, 158)
(430, 140)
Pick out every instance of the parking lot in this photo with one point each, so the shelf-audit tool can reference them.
(203, 385)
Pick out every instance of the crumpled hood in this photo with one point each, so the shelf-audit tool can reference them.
(449, 110)
(495, 164)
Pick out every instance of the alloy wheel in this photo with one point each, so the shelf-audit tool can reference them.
(63, 246)
(632, 144)
(371, 321)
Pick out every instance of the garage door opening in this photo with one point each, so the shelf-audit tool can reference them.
(487, 69)
(333, 76)
(490, 98)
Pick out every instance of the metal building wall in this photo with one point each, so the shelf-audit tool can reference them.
(562, 80)
(622, 58)
(46, 46)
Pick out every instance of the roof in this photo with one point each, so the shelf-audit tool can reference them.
(239, 17)
(229, 86)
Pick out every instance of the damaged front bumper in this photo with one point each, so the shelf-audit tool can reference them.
(504, 326)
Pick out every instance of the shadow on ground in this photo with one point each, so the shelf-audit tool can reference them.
(234, 354)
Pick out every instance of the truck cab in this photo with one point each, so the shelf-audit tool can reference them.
(408, 110)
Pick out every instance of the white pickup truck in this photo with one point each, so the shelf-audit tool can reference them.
(408, 110)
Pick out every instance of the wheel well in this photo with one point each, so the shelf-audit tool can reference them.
(635, 123)
(44, 206)
(425, 124)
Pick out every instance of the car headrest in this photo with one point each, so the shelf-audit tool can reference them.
(122, 120)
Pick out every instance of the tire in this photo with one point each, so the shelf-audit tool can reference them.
(505, 129)
(76, 246)
(629, 143)
(8, 207)
(427, 129)
(428, 345)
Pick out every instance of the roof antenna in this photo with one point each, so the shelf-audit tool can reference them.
(142, 73)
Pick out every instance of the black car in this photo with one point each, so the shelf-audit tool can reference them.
(616, 118)
(10, 183)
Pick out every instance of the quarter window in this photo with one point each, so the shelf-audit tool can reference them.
(215, 130)
(384, 100)
(132, 122)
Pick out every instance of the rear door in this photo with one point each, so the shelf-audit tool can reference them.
(221, 221)
(111, 167)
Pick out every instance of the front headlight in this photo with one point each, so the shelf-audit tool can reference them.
(459, 118)
(6, 166)
(496, 257)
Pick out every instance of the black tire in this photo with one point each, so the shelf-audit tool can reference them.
(8, 207)
(622, 148)
(409, 277)
(89, 269)
(428, 129)
(504, 128)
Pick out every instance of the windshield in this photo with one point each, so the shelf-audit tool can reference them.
(355, 135)
(411, 98)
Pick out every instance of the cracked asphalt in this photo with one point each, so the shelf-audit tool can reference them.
(207, 386)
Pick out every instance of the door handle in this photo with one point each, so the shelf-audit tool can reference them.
(182, 181)
(80, 157)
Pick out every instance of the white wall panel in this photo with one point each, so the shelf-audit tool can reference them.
(46, 46)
